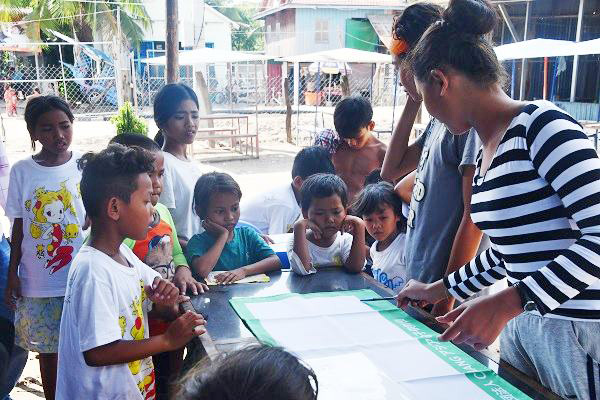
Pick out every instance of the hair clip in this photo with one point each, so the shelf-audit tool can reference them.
(399, 47)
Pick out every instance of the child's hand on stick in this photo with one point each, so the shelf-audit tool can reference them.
(184, 329)
(162, 292)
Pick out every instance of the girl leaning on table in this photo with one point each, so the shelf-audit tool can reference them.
(536, 194)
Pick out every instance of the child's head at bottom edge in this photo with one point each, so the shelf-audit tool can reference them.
(254, 373)
(324, 201)
(217, 198)
(381, 209)
(116, 189)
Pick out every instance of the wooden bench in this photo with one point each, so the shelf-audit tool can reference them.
(212, 134)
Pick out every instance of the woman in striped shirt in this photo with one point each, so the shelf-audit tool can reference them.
(536, 193)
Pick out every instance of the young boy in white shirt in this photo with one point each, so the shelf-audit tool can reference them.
(321, 238)
(275, 211)
(104, 349)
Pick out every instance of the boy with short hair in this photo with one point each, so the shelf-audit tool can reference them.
(355, 151)
(276, 210)
(104, 349)
(161, 251)
(327, 241)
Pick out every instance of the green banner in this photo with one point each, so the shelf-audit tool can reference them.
(479, 374)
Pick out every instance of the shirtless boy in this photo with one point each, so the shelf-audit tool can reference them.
(356, 152)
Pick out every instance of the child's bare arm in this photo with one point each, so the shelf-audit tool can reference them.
(301, 243)
(270, 263)
(356, 259)
(205, 263)
(404, 188)
(13, 284)
(401, 158)
(180, 331)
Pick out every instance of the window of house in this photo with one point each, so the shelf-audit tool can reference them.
(321, 31)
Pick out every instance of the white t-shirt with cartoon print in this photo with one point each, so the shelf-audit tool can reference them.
(48, 199)
(334, 255)
(388, 265)
(105, 302)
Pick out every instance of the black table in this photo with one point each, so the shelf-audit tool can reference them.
(226, 331)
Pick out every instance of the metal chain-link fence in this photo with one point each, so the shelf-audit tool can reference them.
(277, 109)
(89, 84)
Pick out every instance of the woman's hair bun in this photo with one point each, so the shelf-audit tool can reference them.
(476, 17)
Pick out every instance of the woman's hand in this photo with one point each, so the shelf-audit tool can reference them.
(443, 307)
(184, 280)
(478, 322)
(420, 294)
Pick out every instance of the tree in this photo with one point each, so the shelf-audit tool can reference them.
(249, 37)
(81, 19)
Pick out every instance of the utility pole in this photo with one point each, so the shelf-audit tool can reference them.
(576, 58)
(172, 42)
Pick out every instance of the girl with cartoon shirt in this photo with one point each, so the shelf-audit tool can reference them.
(47, 212)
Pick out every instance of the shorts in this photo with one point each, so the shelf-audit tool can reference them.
(564, 355)
(37, 323)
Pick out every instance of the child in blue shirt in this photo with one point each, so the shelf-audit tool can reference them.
(239, 252)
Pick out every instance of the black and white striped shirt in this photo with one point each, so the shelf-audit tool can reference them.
(539, 202)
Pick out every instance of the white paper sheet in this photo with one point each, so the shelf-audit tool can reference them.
(352, 376)
(359, 354)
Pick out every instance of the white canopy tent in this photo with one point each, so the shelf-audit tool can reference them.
(207, 55)
(535, 48)
(545, 48)
(588, 47)
(341, 55)
(538, 48)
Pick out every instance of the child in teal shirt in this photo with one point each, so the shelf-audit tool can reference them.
(239, 252)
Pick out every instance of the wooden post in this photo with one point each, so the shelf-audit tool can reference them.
(345, 86)
(288, 109)
(172, 42)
